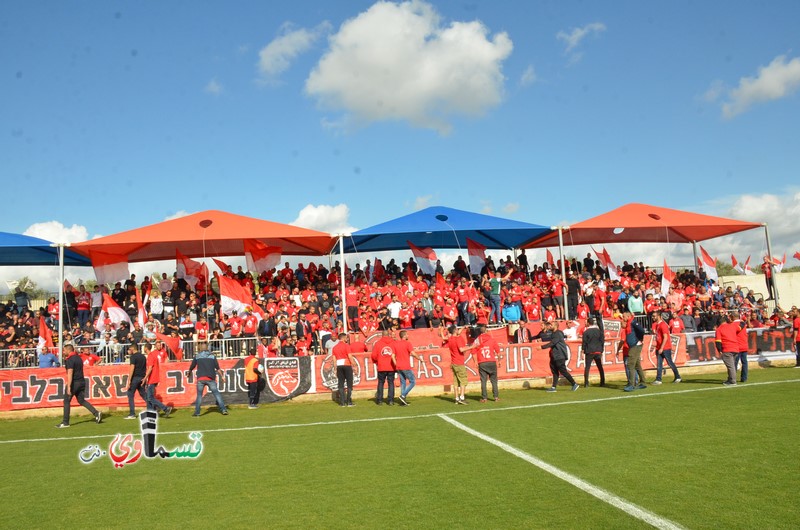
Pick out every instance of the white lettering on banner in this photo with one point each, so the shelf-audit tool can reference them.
(518, 358)
(468, 365)
(422, 369)
(370, 370)
(435, 370)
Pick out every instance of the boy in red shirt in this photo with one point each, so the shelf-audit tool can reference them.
(663, 348)
(457, 344)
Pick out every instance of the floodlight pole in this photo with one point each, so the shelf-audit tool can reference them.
(563, 269)
(771, 269)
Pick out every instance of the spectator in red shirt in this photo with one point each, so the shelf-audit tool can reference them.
(152, 378)
(457, 344)
(345, 361)
(766, 268)
(663, 348)
(383, 355)
(727, 343)
(404, 350)
(486, 362)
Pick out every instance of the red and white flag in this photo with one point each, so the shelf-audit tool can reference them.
(45, 336)
(605, 261)
(173, 343)
(549, 257)
(796, 255)
(779, 263)
(109, 268)
(260, 257)
(736, 265)
(141, 316)
(666, 279)
(425, 258)
(236, 297)
(190, 270)
(709, 264)
(747, 270)
(477, 256)
(114, 312)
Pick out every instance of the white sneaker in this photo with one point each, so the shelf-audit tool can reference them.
(656, 382)
(678, 380)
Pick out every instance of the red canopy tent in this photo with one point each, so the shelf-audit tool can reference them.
(643, 223)
(206, 234)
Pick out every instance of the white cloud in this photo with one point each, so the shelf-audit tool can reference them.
(177, 215)
(422, 202)
(214, 87)
(573, 38)
(528, 76)
(511, 207)
(276, 57)
(325, 218)
(777, 80)
(397, 61)
(57, 232)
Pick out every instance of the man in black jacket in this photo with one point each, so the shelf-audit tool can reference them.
(593, 345)
(558, 356)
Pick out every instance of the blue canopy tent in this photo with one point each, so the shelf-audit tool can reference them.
(441, 227)
(18, 249)
(21, 250)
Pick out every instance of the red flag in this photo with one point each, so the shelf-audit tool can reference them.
(477, 256)
(45, 335)
(440, 283)
(378, 271)
(189, 269)
(109, 268)
(796, 255)
(173, 343)
(747, 269)
(68, 287)
(425, 257)
(550, 259)
(736, 266)
(410, 274)
(666, 279)
(260, 257)
(612, 269)
(224, 267)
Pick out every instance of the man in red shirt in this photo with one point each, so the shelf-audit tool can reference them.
(345, 361)
(663, 348)
(486, 361)
(383, 355)
(457, 344)
(727, 342)
(741, 336)
(152, 377)
(766, 268)
(404, 350)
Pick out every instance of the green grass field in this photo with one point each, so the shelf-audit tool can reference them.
(696, 454)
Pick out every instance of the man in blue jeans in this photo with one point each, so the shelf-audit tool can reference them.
(663, 348)
(207, 371)
(152, 378)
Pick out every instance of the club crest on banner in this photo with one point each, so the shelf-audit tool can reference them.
(327, 371)
(283, 375)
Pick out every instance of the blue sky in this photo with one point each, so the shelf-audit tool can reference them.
(339, 115)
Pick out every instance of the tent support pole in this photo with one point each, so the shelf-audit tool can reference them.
(694, 253)
(563, 270)
(61, 302)
(341, 282)
(771, 267)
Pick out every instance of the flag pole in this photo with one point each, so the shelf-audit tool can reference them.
(563, 270)
(341, 283)
(60, 300)
(771, 266)
(694, 254)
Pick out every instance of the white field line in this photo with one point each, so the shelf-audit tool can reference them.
(635, 395)
(618, 502)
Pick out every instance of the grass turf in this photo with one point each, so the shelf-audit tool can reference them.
(718, 457)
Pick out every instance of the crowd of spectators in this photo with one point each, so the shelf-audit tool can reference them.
(294, 311)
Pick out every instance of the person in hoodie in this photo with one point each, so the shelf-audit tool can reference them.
(206, 376)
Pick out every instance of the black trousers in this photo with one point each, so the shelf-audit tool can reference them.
(344, 374)
(598, 360)
(253, 393)
(78, 391)
(560, 367)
